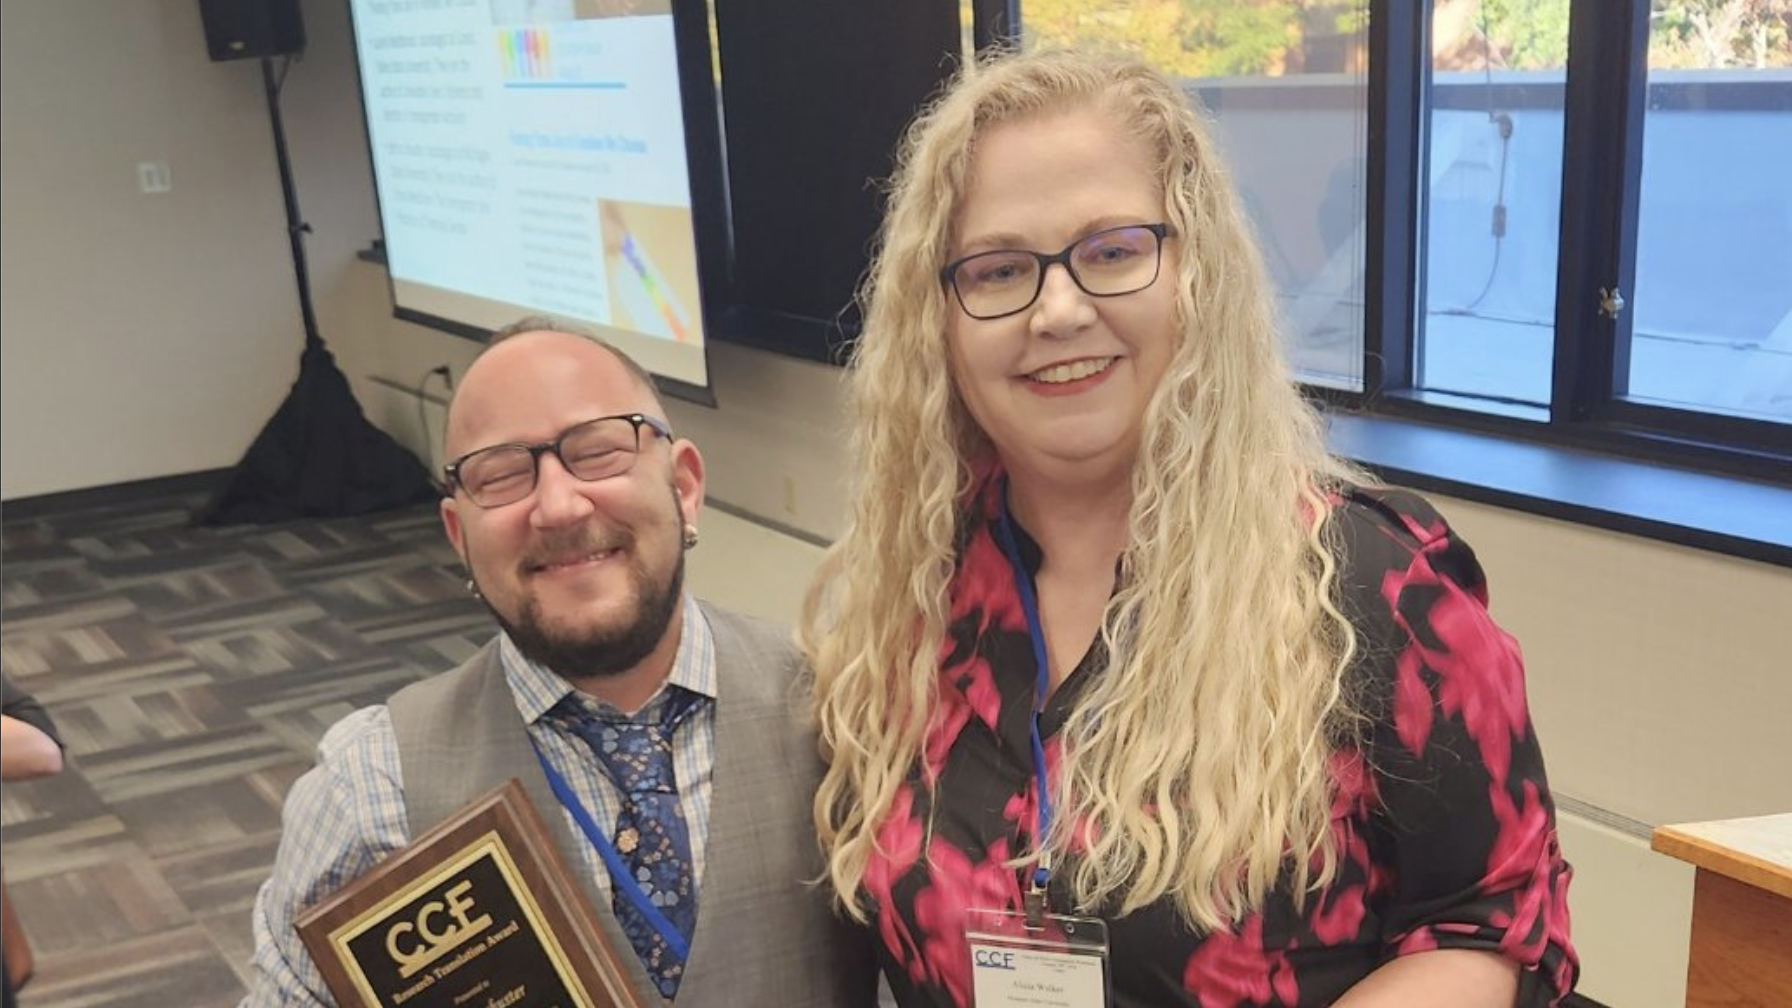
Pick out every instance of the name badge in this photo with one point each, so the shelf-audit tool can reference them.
(1063, 963)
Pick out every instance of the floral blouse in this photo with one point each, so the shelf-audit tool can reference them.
(1444, 825)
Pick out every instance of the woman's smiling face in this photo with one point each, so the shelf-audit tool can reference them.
(1062, 385)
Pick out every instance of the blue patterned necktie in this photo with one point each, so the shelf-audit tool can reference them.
(652, 836)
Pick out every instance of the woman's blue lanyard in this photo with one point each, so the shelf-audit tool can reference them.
(1023, 582)
(620, 876)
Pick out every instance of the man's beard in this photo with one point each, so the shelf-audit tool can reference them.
(606, 651)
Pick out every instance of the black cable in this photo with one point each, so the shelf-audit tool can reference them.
(421, 392)
(1504, 121)
(1499, 211)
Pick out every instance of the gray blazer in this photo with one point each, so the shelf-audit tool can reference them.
(764, 936)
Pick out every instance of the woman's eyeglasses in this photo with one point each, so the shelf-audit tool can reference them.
(1108, 263)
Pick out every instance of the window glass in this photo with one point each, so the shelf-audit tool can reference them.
(1286, 83)
(1493, 200)
(1712, 329)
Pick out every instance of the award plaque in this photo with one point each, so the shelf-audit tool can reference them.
(479, 912)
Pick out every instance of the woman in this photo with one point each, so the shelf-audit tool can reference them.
(1097, 543)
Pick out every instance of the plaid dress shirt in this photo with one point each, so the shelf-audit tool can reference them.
(347, 814)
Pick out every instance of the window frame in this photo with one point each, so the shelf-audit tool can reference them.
(1605, 97)
(1604, 103)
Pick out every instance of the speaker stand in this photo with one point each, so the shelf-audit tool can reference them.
(318, 456)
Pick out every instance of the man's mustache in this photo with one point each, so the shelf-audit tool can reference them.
(569, 547)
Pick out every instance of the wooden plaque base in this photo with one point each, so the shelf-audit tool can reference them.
(479, 911)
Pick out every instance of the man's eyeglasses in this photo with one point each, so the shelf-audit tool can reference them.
(1109, 263)
(590, 451)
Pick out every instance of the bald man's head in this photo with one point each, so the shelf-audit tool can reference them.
(578, 546)
(558, 340)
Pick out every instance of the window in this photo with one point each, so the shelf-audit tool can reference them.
(1287, 86)
(1492, 200)
(1571, 224)
(1712, 329)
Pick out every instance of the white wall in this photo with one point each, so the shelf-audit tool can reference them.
(142, 334)
(152, 335)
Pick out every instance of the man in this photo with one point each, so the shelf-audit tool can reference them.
(571, 504)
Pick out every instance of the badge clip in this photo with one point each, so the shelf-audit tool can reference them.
(1034, 900)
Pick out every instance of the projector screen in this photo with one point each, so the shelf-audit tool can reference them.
(530, 157)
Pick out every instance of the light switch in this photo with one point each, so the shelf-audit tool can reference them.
(154, 177)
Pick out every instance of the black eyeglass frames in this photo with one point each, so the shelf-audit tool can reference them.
(1108, 263)
(593, 450)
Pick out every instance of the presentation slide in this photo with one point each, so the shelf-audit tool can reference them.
(530, 157)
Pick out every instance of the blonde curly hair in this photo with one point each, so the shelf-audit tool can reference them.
(1199, 759)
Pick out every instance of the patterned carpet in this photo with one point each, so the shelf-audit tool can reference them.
(191, 672)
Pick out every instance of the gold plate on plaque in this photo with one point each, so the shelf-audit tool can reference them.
(479, 910)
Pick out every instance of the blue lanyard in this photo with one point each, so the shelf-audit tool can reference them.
(620, 876)
(1023, 581)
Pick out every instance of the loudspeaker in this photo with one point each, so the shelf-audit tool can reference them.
(250, 29)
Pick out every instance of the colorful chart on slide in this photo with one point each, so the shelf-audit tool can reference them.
(530, 158)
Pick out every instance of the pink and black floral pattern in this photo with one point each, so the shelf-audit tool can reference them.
(1443, 818)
